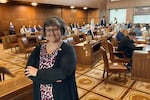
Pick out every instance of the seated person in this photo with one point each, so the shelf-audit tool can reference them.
(39, 28)
(90, 32)
(137, 30)
(127, 45)
(23, 30)
(120, 35)
(11, 29)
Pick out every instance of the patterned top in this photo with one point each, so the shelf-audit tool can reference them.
(47, 61)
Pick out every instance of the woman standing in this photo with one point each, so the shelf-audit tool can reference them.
(51, 66)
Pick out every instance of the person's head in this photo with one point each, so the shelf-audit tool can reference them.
(54, 28)
(132, 35)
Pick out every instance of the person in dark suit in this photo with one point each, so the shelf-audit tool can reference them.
(103, 21)
(127, 45)
(90, 32)
(120, 35)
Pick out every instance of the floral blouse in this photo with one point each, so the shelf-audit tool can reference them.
(47, 61)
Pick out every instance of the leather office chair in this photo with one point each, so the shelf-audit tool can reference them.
(113, 52)
(13, 39)
(25, 46)
(4, 71)
(112, 67)
(40, 39)
(5, 33)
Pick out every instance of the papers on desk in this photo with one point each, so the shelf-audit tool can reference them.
(140, 45)
(80, 44)
(139, 37)
(140, 51)
(85, 42)
(145, 49)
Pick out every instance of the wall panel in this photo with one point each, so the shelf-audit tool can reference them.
(22, 14)
(129, 5)
(74, 15)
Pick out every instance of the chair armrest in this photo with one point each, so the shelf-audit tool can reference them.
(120, 52)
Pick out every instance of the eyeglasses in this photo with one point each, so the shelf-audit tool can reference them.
(55, 30)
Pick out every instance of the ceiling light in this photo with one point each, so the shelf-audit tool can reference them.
(72, 7)
(84, 8)
(3, 1)
(34, 4)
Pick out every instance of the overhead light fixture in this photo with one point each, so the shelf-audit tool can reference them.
(34, 4)
(72, 7)
(85, 8)
(3, 1)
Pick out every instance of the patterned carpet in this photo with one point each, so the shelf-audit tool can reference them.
(89, 80)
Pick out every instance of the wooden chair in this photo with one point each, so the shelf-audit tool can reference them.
(112, 67)
(113, 52)
(13, 39)
(4, 71)
(5, 33)
(40, 39)
(25, 46)
(114, 42)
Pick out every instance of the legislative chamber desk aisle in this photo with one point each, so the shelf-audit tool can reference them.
(88, 53)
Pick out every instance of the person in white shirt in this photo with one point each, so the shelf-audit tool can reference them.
(23, 30)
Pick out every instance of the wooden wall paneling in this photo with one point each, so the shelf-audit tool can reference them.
(142, 2)
(129, 16)
(74, 15)
(22, 14)
(77, 3)
(127, 3)
(93, 13)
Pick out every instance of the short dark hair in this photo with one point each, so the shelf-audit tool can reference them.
(132, 33)
(55, 21)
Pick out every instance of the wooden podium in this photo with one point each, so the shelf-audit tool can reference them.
(88, 53)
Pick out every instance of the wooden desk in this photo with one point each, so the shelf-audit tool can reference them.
(18, 88)
(141, 66)
(88, 53)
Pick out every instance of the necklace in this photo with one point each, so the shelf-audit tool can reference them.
(52, 48)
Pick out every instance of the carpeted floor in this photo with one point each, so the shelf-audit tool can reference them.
(89, 80)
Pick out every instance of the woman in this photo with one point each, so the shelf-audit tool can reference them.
(51, 66)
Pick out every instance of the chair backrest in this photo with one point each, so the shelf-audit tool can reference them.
(114, 42)
(23, 44)
(6, 33)
(105, 59)
(4, 71)
(25, 41)
(39, 37)
(13, 38)
(110, 48)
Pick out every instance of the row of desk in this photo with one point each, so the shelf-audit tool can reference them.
(88, 53)
(141, 67)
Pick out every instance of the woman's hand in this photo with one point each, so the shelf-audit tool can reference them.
(31, 71)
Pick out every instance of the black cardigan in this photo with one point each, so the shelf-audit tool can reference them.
(63, 69)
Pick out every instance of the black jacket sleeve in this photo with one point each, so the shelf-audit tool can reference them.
(33, 60)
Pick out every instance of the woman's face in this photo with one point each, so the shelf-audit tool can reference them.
(53, 33)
